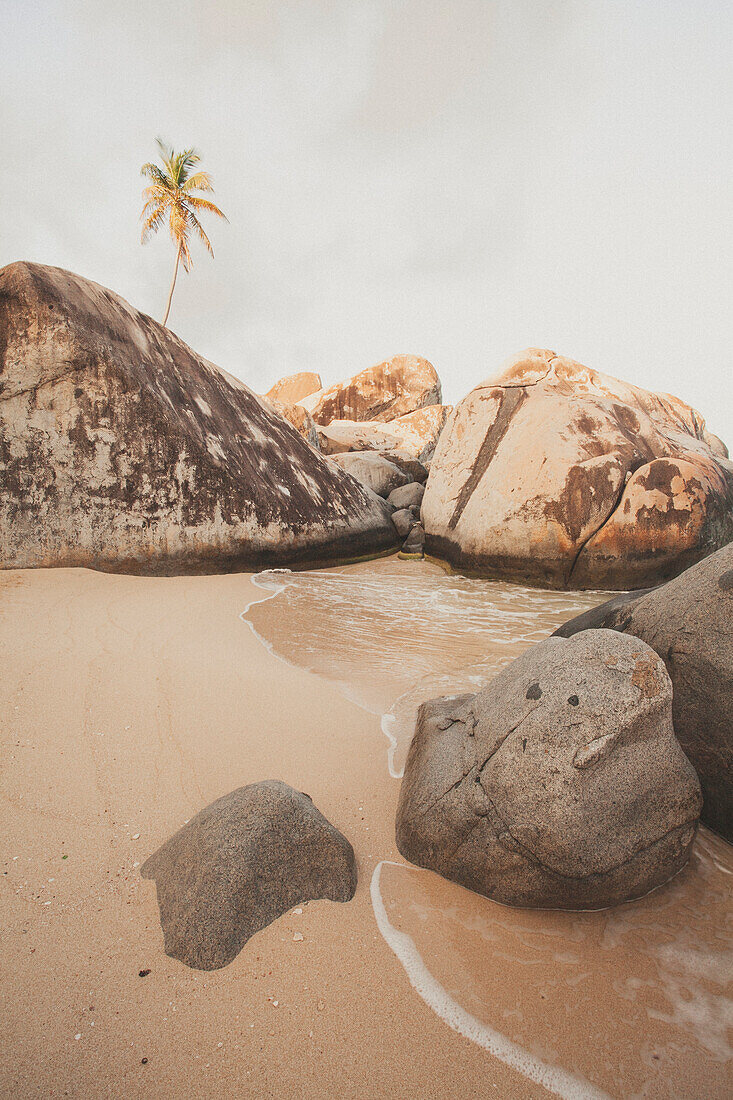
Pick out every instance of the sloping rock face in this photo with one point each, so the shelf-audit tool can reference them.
(301, 420)
(689, 623)
(293, 388)
(416, 433)
(554, 474)
(121, 449)
(560, 785)
(241, 863)
(384, 392)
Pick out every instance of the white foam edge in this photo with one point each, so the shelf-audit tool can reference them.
(556, 1080)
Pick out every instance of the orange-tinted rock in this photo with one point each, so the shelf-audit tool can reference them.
(287, 391)
(416, 433)
(553, 473)
(300, 418)
(383, 392)
(121, 449)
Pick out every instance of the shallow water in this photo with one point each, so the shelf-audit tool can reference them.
(394, 633)
(630, 1002)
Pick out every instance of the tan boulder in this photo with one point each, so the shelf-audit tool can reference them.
(383, 392)
(415, 433)
(293, 388)
(552, 473)
(372, 470)
(300, 418)
(121, 449)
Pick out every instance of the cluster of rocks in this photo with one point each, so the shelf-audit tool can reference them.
(576, 779)
(381, 426)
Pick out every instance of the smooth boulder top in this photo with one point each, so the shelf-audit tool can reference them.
(407, 495)
(294, 387)
(373, 470)
(384, 392)
(689, 622)
(561, 785)
(121, 449)
(241, 863)
(554, 474)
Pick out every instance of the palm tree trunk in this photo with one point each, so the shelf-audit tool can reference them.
(170, 294)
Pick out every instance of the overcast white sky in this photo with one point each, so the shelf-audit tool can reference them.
(452, 178)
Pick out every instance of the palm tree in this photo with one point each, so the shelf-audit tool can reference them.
(171, 196)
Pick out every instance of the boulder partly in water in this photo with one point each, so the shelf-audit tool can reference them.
(689, 622)
(554, 474)
(561, 785)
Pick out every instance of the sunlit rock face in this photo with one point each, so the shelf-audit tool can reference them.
(293, 388)
(561, 785)
(552, 473)
(689, 623)
(416, 433)
(121, 449)
(383, 392)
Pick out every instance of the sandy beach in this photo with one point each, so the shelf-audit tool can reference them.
(129, 704)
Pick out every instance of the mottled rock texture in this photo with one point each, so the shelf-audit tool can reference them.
(300, 418)
(384, 392)
(554, 474)
(416, 434)
(121, 449)
(372, 470)
(293, 388)
(560, 785)
(689, 623)
(239, 864)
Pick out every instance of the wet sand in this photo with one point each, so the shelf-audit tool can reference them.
(127, 705)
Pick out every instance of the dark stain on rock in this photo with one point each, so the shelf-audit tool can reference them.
(534, 691)
(587, 490)
(725, 581)
(509, 402)
(573, 700)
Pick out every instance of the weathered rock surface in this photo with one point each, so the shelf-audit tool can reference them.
(416, 433)
(558, 475)
(416, 471)
(689, 623)
(121, 449)
(403, 521)
(560, 785)
(384, 392)
(371, 469)
(239, 864)
(300, 419)
(414, 544)
(407, 495)
(293, 388)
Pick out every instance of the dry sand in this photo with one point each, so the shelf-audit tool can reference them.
(127, 705)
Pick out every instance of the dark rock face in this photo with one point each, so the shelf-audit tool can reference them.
(414, 544)
(689, 623)
(407, 496)
(241, 863)
(561, 785)
(403, 521)
(121, 449)
(554, 474)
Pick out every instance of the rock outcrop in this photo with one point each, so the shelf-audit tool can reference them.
(554, 474)
(121, 449)
(372, 470)
(561, 785)
(384, 392)
(689, 623)
(241, 863)
(300, 418)
(293, 388)
(416, 433)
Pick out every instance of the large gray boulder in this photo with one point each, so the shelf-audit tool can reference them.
(121, 449)
(239, 864)
(555, 474)
(561, 785)
(689, 623)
